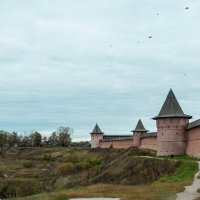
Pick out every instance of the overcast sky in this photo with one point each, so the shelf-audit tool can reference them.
(74, 63)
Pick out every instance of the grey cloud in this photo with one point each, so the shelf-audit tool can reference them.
(76, 63)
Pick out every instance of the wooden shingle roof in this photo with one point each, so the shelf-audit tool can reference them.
(96, 130)
(171, 108)
(193, 124)
(139, 127)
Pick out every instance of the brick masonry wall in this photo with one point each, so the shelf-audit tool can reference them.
(171, 136)
(95, 140)
(117, 144)
(136, 139)
(193, 142)
(105, 145)
(149, 143)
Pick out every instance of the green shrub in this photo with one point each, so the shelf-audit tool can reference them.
(65, 168)
(72, 157)
(96, 170)
(81, 166)
(92, 162)
(48, 157)
(2, 169)
(2, 153)
(17, 187)
(27, 163)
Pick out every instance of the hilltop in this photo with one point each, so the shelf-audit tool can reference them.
(28, 171)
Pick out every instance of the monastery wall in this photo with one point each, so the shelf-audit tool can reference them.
(117, 144)
(149, 143)
(172, 136)
(193, 142)
(105, 144)
(122, 144)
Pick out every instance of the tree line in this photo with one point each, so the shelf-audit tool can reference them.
(61, 137)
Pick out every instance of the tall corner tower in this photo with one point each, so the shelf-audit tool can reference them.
(96, 135)
(137, 133)
(171, 123)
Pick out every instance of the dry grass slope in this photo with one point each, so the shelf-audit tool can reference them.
(67, 173)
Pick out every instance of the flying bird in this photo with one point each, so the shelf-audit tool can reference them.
(150, 37)
(186, 8)
(157, 13)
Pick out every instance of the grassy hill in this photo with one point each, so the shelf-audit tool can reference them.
(59, 173)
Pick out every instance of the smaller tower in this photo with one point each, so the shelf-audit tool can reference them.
(137, 133)
(96, 135)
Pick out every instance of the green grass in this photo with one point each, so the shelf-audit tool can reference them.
(185, 172)
(27, 163)
(59, 197)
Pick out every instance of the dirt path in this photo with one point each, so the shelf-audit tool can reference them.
(190, 192)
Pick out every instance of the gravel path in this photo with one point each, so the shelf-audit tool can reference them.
(190, 192)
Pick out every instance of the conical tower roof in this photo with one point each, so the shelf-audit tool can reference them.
(96, 130)
(139, 127)
(171, 108)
